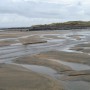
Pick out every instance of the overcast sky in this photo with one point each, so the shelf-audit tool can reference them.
(30, 12)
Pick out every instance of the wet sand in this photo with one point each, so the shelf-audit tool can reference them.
(52, 65)
(7, 42)
(54, 37)
(66, 56)
(38, 60)
(77, 37)
(13, 77)
(35, 39)
(68, 75)
(84, 47)
(24, 40)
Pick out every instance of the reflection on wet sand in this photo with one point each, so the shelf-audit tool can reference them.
(55, 57)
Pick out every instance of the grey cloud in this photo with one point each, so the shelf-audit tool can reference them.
(44, 12)
(34, 9)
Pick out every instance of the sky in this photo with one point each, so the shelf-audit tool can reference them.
(20, 13)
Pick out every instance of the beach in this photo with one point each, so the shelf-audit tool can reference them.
(45, 60)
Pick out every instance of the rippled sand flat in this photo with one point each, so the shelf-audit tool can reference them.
(45, 60)
(14, 77)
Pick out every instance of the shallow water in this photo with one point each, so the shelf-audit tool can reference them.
(74, 66)
(18, 50)
(8, 53)
(76, 85)
(42, 69)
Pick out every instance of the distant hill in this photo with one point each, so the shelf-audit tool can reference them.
(55, 26)
(61, 26)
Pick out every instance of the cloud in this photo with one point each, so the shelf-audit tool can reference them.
(28, 12)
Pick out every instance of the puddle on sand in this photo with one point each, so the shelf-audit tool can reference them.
(42, 69)
(74, 66)
(72, 85)
(68, 85)
(76, 85)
